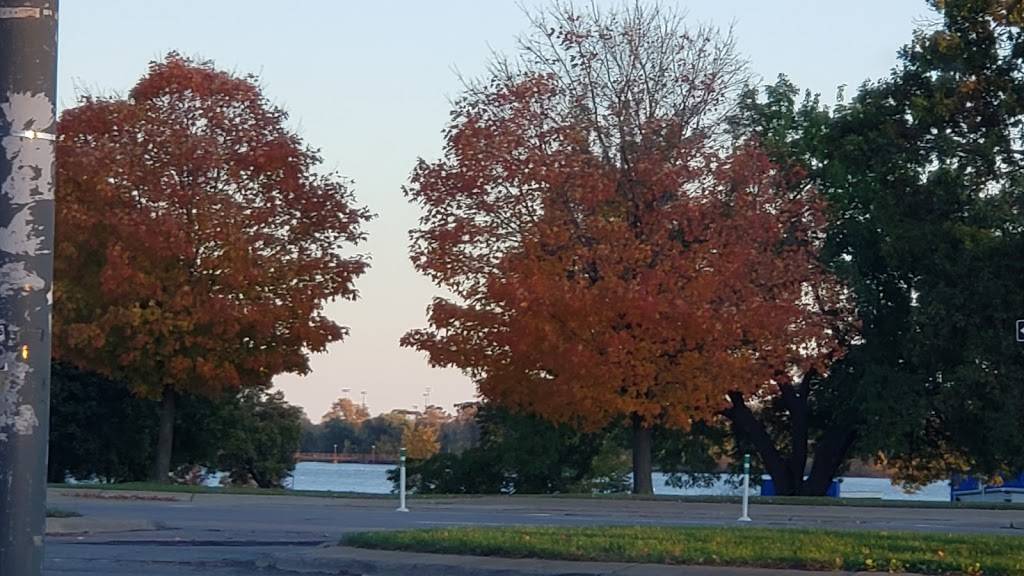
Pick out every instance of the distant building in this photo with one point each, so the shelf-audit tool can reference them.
(410, 415)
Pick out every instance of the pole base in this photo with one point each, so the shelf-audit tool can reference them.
(744, 519)
(402, 509)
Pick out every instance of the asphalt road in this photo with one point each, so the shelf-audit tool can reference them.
(221, 535)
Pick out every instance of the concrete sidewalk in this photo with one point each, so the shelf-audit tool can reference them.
(355, 561)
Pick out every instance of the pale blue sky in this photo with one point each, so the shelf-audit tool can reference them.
(369, 82)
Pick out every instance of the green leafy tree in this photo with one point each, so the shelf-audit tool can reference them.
(694, 457)
(310, 436)
(921, 171)
(101, 430)
(98, 429)
(474, 471)
(540, 457)
(953, 228)
(461, 432)
(345, 434)
(382, 434)
(526, 454)
(260, 435)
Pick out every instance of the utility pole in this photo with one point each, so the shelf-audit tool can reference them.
(28, 78)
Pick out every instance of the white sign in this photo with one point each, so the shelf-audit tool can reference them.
(8, 334)
(1020, 330)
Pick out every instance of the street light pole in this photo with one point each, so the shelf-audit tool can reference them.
(28, 78)
(363, 393)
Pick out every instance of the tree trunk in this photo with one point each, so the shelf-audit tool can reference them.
(776, 466)
(788, 473)
(642, 483)
(829, 455)
(795, 399)
(165, 440)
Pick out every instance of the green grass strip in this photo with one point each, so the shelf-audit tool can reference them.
(922, 553)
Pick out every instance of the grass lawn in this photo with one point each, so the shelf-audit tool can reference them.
(752, 547)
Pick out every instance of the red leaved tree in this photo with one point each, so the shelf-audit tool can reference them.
(612, 259)
(198, 239)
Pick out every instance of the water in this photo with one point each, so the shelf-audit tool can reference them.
(372, 479)
(850, 488)
(324, 476)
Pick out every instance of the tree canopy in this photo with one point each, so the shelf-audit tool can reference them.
(199, 237)
(611, 258)
(347, 410)
(921, 172)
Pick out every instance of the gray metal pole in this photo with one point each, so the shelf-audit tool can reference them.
(28, 78)
(746, 489)
(401, 481)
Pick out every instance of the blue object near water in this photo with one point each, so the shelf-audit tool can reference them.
(970, 488)
(768, 488)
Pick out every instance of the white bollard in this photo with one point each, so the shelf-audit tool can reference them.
(401, 481)
(746, 489)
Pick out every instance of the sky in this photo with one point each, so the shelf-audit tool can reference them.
(369, 83)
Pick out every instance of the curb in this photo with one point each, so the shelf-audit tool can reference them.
(77, 526)
(127, 495)
(356, 561)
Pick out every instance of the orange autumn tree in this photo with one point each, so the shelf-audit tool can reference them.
(347, 410)
(420, 439)
(612, 258)
(199, 239)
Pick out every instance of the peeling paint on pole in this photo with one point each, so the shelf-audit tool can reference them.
(28, 67)
(32, 156)
(13, 413)
(29, 182)
(14, 277)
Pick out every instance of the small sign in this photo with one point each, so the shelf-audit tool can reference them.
(8, 335)
(21, 12)
(1020, 330)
